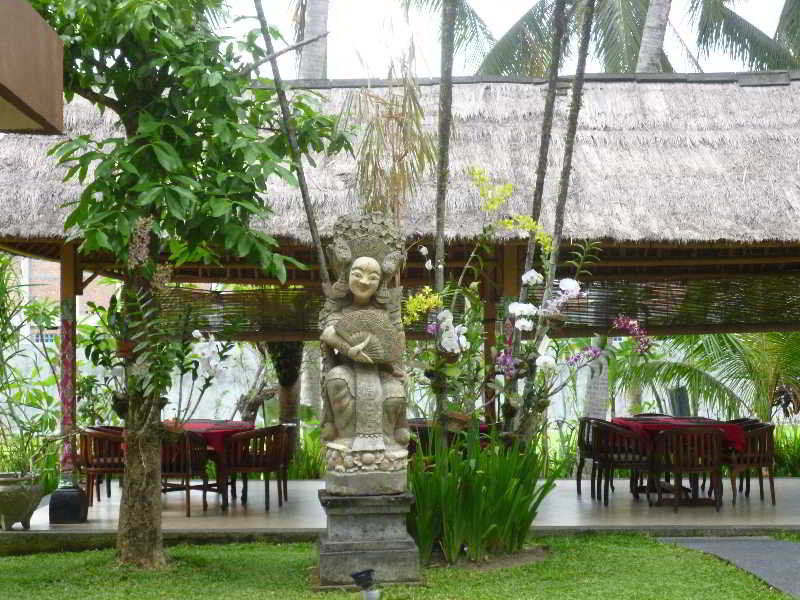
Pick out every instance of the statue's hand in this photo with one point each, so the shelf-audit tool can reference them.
(356, 352)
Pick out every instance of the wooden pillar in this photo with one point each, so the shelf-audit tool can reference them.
(511, 270)
(70, 288)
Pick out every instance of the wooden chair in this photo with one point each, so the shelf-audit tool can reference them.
(262, 451)
(759, 453)
(101, 454)
(688, 451)
(585, 451)
(615, 448)
(184, 458)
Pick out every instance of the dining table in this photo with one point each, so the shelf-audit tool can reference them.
(215, 431)
(733, 434)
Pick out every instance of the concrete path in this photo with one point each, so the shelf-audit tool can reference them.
(774, 561)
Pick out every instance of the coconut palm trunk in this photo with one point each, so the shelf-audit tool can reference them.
(443, 171)
(652, 46)
(314, 57)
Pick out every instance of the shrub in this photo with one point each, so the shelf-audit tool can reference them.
(787, 451)
(476, 500)
(308, 461)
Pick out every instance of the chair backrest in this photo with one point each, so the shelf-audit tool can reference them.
(586, 435)
(613, 443)
(185, 453)
(760, 446)
(101, 449)
(261, 449)
(688, 449)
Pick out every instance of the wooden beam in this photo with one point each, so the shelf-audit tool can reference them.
(712, 276)
(691, 262)
(587, 331)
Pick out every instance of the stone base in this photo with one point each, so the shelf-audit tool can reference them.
(367, 532)
(366, 483)
(68, 505)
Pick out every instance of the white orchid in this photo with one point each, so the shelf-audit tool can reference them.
(522, 309)
(423, 250)
(546, 362)
(569, 286)
(197, 335)
(524, 324)
(532, 277)
(429, 265)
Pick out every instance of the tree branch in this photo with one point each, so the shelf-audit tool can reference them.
(297, 158)
(98, 98)
(249, 69)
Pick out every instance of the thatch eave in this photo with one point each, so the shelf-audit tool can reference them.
(666, 158)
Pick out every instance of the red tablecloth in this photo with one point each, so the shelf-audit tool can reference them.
(215, 432)
(733, 434)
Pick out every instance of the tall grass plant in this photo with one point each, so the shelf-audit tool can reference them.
(476, 497)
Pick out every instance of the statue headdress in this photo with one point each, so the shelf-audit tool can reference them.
(357, 235)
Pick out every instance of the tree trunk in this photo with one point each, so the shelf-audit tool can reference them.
(595, 403)
(442, 172)
(652, 46)
(261, 390)
(314, 57)
(139, 535)
(287, 358)
(310, 378)
(559, 29)
(445, 121)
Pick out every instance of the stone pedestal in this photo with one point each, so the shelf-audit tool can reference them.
(367, 532)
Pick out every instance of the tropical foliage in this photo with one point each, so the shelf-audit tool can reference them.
(478, 495)
(524, 49)
(729, 374)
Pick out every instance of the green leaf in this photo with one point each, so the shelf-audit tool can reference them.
(167, 156)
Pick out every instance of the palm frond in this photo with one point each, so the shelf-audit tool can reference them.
(524, 50)
(472, 35)
(618, 33)
(788, 31)
(299, 8)
(721, 29)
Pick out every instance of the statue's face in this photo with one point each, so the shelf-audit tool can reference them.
(365, 277)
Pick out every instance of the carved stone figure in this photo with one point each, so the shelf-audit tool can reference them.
(363, 389)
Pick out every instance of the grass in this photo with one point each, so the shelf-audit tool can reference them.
(617, 567)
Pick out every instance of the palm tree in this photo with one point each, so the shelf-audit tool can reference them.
(730, 374)
(524, 50)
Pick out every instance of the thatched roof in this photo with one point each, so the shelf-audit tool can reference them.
(685, 158)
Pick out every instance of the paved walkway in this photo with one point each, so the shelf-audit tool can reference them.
(561, 510)
(774, 561)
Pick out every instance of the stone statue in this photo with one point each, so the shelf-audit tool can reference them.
(363, 389)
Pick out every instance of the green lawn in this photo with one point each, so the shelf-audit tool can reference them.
(581, 567)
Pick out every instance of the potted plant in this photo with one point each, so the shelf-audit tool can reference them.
(20, 486)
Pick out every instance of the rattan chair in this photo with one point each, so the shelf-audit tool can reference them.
(101, 455)
(262, 451)
(615, 447)
(184, 458)
(688, 451)
(758, 454)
